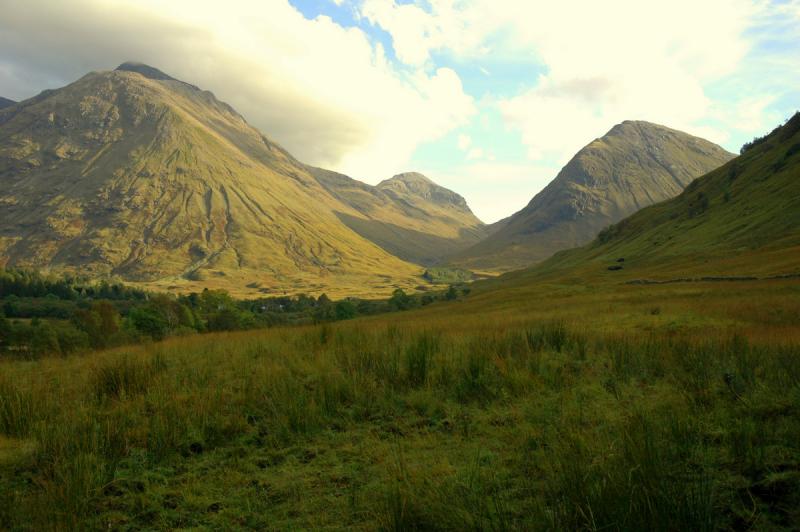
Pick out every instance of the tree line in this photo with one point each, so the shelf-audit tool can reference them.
(49, 314)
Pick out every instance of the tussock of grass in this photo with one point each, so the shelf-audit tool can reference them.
(536, 426)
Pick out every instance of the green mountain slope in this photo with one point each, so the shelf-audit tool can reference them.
(5, 102)
(634, 165)
(742, 219)
(136, 175)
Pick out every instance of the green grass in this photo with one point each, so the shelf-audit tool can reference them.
(739, 220)
(540, 424)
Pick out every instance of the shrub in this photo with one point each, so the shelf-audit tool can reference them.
(149, 322)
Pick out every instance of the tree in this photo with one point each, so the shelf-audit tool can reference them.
(400, 300)
(345, 310)
(147, 320)
(43, 339)
(451, 293)
(101, 322)
(5, 332)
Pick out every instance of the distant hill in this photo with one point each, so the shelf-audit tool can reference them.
(5, 102)
(408, 215)
(742, 219)
(636, 164)
(139, 176)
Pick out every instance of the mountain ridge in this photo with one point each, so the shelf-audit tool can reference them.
(137, 175)
(408, 215)
(634, 165)
(156, 181)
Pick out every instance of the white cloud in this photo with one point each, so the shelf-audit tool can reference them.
(494, 190)
(604, 61)
(326, 92)
(627, 60)
(475, 153)
(464, 142)
(413, 31)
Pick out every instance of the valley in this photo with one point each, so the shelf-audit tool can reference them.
(198, 331)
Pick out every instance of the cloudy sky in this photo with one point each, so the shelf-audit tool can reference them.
(487, 97)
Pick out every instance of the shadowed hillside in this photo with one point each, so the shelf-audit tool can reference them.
(742, 219)
(408, 215)
(5, 102)
(740, 222)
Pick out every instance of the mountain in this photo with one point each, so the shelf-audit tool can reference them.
(740, 220)
(636, 164)
(136, 175)
(5, 102)
(408, 215)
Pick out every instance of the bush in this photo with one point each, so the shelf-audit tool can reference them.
(345, 310)
(400, 300)
(149, 322)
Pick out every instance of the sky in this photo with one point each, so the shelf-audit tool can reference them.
(487, 97)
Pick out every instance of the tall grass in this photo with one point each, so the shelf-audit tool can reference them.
(536, 426)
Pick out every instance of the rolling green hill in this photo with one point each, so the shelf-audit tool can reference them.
(634, 165)
(740, 220)
(408, 215)
(139, 176)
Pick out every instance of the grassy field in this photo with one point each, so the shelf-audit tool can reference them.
(551, 405)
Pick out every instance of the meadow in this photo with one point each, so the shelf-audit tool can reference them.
(538, 406)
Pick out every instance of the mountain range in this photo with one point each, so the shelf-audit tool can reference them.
(135, 175)
(5, 102)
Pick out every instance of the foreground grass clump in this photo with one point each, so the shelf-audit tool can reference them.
(375, 426)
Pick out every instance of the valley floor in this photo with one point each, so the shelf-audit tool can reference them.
(552, 405)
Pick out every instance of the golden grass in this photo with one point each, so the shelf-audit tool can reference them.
(550, 406)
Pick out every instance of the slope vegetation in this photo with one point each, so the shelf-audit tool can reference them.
(633, 166)
(741, 220)
(136, 175)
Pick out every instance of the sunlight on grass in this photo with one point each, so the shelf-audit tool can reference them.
(372, 424)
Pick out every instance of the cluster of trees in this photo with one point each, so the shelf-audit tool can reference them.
(30, 283)
(402, 301)
(36, 325)
(47, 314)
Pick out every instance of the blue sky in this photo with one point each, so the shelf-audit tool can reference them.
(488, 97)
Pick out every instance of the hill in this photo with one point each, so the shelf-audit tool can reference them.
(5, 102)
(135, 175)
(408, 215)
(633, 166)
(740, 220)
